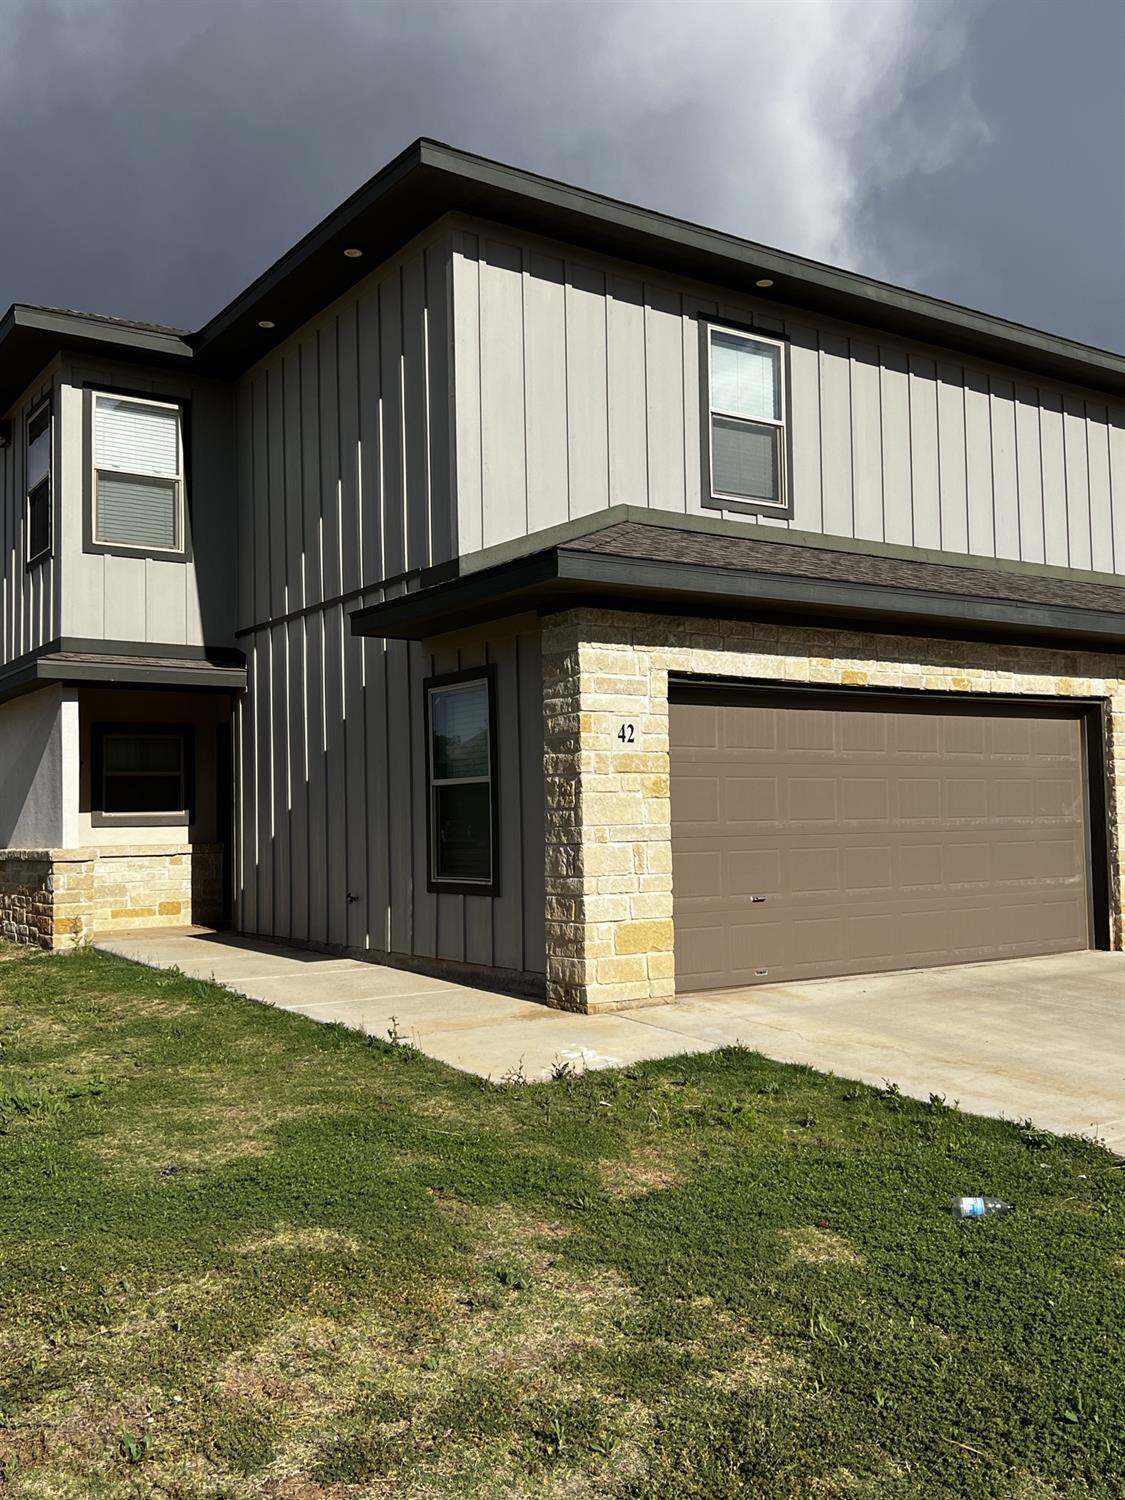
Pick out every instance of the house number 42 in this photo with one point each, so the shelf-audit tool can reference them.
(627, 734)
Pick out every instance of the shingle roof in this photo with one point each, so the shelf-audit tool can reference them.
(658, 543)
(75, 312)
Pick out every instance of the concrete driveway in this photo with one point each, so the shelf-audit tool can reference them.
(1034, 1038)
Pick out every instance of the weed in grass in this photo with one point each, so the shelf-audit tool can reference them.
(133, 1449)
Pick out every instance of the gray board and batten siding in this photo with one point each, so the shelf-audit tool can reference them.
(577, 387)
(345, 483)
(73, 593)
(181, 600)
(30, 599)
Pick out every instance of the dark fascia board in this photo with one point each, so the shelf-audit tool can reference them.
(430, 179)
(30, 337)
(57, 661)
(108, 673)
(558, 578)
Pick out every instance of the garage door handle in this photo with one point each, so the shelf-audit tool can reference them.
(757, 898)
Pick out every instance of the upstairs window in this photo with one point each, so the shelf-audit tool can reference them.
(461, 735)
(39, 482)
(138, 474)
(746, 417)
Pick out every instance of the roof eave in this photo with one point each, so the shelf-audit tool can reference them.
(30, 337)
(430, 179)
(559, 578)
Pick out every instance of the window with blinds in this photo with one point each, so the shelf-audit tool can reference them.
(138, 474)
(746, 406)
(39, 482)
(462, 810)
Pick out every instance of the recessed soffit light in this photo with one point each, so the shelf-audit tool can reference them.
(764, 281)
(266, 323)
(352, 253)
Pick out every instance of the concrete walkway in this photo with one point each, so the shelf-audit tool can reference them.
(1038, 1038)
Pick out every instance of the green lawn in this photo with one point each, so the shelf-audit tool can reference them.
(243, 1254)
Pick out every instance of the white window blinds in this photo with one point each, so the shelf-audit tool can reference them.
(138, 488)
(744, 377)
(139, 439)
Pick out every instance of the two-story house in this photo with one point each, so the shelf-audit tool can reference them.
(520, 582)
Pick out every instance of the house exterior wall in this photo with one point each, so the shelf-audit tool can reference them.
(610, 933)
(578, 387)
(331, 796)
(345, 493)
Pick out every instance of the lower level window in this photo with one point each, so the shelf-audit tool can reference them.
(461, 762)
(141, 773)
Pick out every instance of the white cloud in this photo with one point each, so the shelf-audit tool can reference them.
(771, 118)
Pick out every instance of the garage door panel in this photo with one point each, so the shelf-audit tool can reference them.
(1057, 799)
(963, 736)
(752, 799)
(864, 864)
(867, 868)
(917, 799)
(699, 798)
(749, 872)
(748, 729)
(919, 865)
(811, 799)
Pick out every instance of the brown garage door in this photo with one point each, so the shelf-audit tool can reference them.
(813, 838)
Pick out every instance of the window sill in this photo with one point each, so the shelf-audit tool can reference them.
(121, 549)
(140, 820)
(749, 507)
(463, 887)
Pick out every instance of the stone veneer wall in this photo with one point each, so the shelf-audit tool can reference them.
(610, 938)
(56, 897)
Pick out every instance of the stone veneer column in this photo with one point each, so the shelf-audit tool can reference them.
(608, 831)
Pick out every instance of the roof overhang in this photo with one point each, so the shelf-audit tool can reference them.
(430, 179)
(30, 337)
(95, 664)
(562, 577)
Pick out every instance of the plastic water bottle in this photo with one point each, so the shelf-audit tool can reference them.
(977, 1208)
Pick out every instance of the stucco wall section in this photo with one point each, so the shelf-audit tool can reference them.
(39, 769)
(610, 939)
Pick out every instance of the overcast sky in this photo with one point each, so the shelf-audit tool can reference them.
(158, 154)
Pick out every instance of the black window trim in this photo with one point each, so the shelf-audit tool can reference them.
(717, 501)
(173, 818)
(33, 560)
(91, 390)
(434, 883)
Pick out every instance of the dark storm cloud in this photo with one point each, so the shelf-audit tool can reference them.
(158, 154)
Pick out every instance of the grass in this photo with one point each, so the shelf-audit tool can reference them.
(245, 1255)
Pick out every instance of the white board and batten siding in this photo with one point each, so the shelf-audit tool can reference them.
(578, 387)
(30, 599)
(345, 485)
